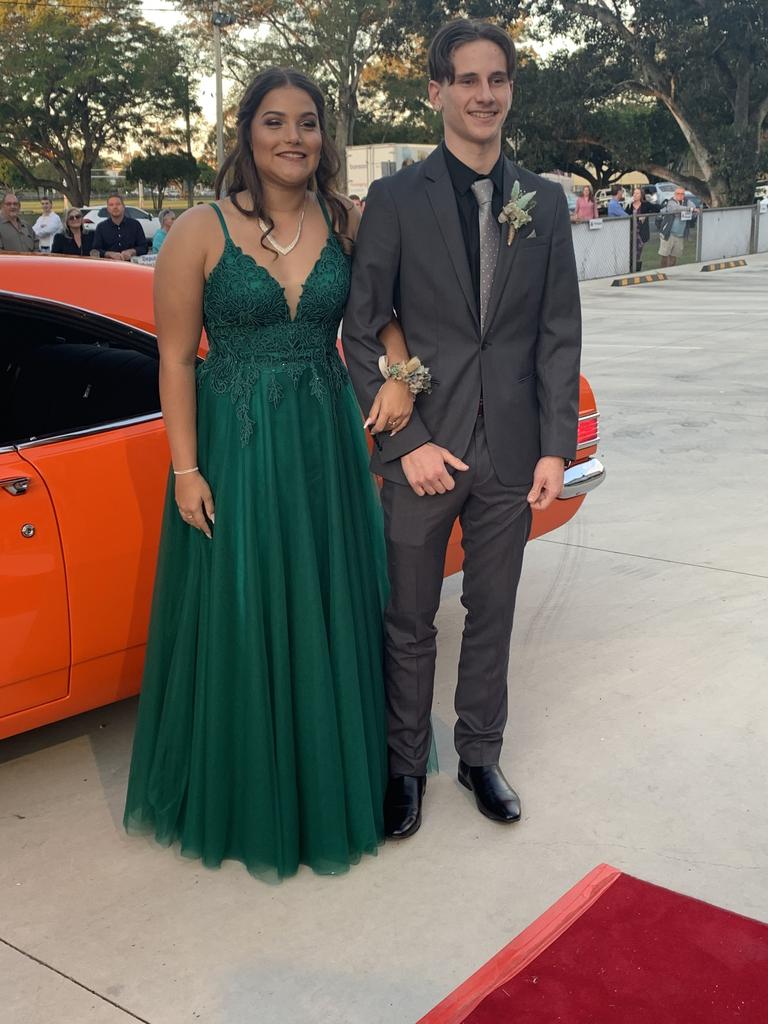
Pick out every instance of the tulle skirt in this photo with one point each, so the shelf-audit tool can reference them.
(261, 727)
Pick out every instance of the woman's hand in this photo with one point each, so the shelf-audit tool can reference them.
(195, 501)
(391, 409)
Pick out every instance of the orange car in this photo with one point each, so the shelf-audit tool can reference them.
(83, 468)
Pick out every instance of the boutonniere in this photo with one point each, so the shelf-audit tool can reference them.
(516, 212)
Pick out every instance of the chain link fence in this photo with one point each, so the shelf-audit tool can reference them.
(618, 246)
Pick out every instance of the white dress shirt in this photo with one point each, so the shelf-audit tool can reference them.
(45, 227)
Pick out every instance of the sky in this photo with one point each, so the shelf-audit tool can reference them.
(164, 14)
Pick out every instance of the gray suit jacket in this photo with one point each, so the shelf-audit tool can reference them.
(410, 256)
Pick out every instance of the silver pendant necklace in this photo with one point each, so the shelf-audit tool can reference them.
(283, 250)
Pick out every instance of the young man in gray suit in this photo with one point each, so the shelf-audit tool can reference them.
(493, 310)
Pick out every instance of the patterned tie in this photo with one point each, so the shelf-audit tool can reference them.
(489, 242)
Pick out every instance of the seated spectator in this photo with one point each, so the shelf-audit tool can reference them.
(73, 241)
(121, 237)
(166, 218)
(47, 225)
(15, 234)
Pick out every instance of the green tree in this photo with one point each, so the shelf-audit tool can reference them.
(596, 133)
(159, 170)
(206, 174)
(10, 178)
(705, 61)
(334, 42)
(73, 88)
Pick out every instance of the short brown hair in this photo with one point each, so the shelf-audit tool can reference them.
(457, 33)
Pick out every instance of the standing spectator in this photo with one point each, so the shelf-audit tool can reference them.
(166, 218)
(639, 207)
(73, 241)
(674, 230)
(616, 202)
(15, 234)
(586, 207)
(47, 225)
(358, 202)
(120, 237)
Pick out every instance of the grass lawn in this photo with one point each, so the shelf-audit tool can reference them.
(652, 260)
(31, 207)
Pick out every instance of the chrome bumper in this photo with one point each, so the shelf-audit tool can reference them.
(582, 477)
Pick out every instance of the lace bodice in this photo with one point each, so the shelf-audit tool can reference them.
(252, 336)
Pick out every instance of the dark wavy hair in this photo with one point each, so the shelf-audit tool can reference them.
(238, 172)
(466, 30)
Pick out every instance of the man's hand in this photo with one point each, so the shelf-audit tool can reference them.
(547, 482)
(114, 255)
(127, 254)
(425, 469)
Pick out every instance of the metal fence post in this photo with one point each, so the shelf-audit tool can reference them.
(633, 245)
(699, 234)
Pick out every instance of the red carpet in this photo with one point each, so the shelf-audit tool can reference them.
(616, 950)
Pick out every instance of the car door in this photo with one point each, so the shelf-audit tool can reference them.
(107, 490)
(82, 411)
(34, 622)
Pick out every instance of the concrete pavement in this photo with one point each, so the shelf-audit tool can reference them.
(636, 736)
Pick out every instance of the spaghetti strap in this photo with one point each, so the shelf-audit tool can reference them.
(327, 216)
(220, 215)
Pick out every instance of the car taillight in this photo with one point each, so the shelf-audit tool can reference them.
(588, 430)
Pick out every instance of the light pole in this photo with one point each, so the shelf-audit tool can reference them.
(219, 20)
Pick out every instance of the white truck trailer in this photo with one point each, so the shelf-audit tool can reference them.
(367, 163)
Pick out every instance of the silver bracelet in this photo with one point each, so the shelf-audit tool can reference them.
(183, 472)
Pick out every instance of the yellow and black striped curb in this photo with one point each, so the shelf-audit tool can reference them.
(619, 282)
(725, 265)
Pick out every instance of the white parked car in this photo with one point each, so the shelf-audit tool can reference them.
(93, 215)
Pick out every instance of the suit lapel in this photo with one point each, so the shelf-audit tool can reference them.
(443, 201)
(507, 253)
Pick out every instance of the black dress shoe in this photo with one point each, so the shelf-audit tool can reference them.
(402, 805)
(494, 796)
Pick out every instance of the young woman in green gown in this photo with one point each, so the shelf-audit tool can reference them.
(261, 732)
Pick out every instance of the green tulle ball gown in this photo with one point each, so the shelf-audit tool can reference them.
(261, 730)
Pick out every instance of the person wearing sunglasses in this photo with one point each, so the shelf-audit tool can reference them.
(73, 241)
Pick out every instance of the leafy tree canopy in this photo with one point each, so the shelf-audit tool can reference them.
(705, 61)
(335, 42)
(568, 114)
(74, 87)
(159, 170)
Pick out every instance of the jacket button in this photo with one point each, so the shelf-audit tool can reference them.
(484, 346)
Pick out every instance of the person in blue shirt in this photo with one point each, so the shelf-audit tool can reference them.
(166, 218)
(616, 202)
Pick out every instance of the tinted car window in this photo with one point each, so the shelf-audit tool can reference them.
(59, 374)
(134, 211)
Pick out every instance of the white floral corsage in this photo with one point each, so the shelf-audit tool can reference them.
(516, 213)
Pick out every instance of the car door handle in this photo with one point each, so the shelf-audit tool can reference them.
(15, 484)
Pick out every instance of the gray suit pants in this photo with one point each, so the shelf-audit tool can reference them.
(495, 522)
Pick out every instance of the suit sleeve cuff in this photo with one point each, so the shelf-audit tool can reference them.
(407, 440)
